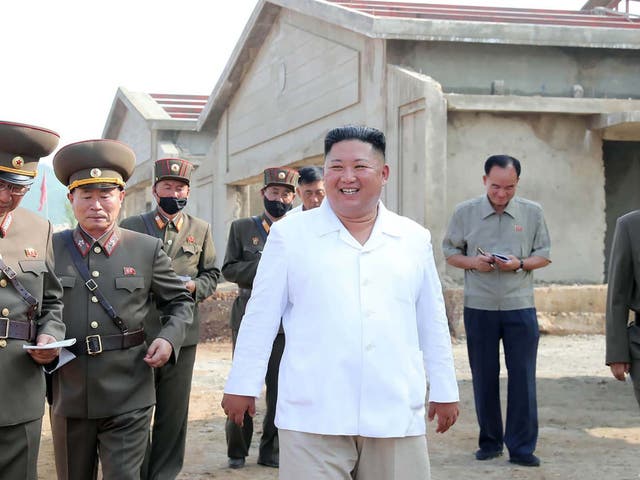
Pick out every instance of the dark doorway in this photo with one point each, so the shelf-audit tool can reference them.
(622, 186)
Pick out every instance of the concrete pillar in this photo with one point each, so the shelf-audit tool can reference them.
(416, 150)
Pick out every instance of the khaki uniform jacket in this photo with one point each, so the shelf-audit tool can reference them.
(244, 247)
(127, 266)
(192, 254)
(25, 246)
(623, 294)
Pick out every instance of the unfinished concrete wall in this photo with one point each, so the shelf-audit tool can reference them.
(562, 169)
(308, 77)
(526, 70)
(416, 150)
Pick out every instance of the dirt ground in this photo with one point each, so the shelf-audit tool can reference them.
(589, 423)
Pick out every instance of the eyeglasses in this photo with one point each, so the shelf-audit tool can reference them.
(17, 190)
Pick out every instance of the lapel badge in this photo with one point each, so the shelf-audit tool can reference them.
(190, 239)
(129, 270)
(255, 240)
(518, 228)
(31, 252)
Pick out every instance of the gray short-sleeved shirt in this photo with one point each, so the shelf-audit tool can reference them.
(520, 231)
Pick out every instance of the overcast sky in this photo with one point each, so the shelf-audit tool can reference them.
(64, 60)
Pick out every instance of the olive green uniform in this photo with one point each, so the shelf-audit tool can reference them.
(104, 401)
(188, 242)
(25, 246)
(244, 247)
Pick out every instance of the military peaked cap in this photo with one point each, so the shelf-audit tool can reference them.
(99, 163)
(21, 147)
(285, 176)
(172, 169)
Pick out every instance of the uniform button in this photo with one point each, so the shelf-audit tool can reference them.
(97, 249)
(3, 283)
(3, 343)
(169, 242)
(94, 299)
(5, 312)
(94, 324)
(95, 274)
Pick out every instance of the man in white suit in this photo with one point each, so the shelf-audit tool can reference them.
(364, 320)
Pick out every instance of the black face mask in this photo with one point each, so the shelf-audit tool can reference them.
(276, 208)
(172, 205)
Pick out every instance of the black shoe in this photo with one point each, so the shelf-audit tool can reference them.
(268, 463)
(526, 461)
(236, 462)
(486, 455)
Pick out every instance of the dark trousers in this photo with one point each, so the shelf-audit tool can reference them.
(119, 442)
(166, 448)
(518, 330)
(239, 438)
(19, 445)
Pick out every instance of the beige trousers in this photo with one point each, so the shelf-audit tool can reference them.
(341, 457)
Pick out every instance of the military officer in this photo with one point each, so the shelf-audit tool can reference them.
(188, 242)
(30, 300)
(247, 237)
(103, 399)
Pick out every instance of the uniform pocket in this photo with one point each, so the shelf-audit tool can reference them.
(67, 281)
(37, 267)
(191, 248)
(130, 283)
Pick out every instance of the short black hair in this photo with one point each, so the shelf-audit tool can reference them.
(502, 161)
(369, 135)
(309, 175)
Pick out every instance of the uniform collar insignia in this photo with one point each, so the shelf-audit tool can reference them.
(83, 243)
(162, 221)
(5, 224)
(110, 241)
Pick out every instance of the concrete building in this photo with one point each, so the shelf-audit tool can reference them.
(449, 85)
(157, 126)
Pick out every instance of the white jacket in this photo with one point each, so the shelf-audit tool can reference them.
(362, 324)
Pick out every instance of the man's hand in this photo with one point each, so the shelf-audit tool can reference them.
(483, 263)
(46, 356)
(235, 407)
(158, 353)
(619, 370)
(447, 414)
(190, 285)
(511, 266)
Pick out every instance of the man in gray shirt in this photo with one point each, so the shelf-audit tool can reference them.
(499, 239)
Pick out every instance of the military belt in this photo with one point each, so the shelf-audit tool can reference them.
(96, 344)
(17, 329)
(244, 292)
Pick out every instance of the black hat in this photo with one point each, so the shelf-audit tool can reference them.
(99, 163)
(21, 147)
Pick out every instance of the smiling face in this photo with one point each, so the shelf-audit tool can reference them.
(501, 186)
(96, 209)
(354, 174)
(311, 194)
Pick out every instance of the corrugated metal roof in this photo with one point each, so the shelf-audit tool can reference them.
(381, 8)
(183, 107)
